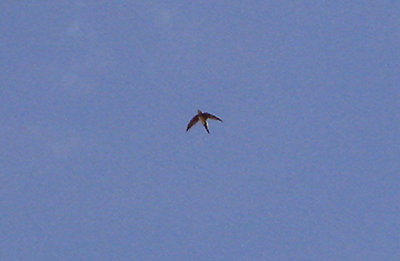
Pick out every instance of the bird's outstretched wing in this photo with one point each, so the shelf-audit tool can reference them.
(192, 122)
(210, 116)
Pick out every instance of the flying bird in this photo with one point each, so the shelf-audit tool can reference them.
(202, 117)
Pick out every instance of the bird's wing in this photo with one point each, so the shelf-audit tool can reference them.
(213, 117)
(192, 122)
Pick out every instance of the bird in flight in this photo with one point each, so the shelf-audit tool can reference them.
(202, 117)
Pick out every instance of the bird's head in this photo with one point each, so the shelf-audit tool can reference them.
(199, 112)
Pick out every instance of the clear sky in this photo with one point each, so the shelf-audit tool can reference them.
(95, 162)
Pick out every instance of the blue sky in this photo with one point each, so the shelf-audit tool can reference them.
(95, 162)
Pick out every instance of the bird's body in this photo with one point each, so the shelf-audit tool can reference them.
(202, 117)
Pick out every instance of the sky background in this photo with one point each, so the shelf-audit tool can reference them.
(95, 162)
